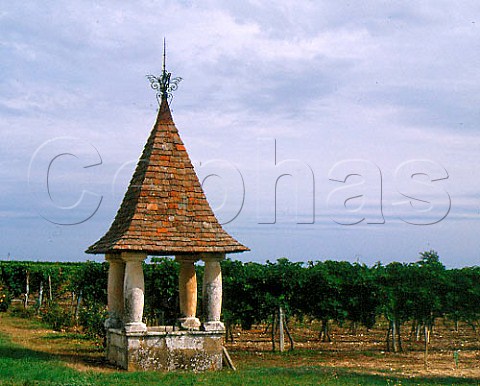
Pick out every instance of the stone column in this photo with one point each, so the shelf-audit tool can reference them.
(188, 292)
(212, 291)
(116, 274)
(134, 288)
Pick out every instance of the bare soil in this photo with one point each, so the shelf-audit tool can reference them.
(365, 351)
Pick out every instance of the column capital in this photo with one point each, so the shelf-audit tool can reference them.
(215, 256)
(187, 258)
(113, 257)
(134, 256)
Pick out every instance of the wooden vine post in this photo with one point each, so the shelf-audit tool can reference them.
(427, 340)
(279, 322)
(274, 320)
(50, 287)
(280, 326)
(40, 296)
(27, 289)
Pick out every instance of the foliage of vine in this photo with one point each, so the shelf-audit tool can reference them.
(419, 292)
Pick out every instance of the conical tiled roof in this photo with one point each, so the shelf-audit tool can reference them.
(165, 211)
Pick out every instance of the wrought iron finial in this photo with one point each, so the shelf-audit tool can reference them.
(164, 56)
(164, 85)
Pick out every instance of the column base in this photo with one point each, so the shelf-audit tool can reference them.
(214, 326)
(113, 322)
(135, 327)
(190, 323)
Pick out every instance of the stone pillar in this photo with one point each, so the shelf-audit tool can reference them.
(134, 288)
(116, 274)
(212, 291)
(188, 292)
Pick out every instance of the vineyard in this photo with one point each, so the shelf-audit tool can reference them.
(320, 294)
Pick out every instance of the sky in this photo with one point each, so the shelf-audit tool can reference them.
(320, 130)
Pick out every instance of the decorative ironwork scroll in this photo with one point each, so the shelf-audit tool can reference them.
(164, 85)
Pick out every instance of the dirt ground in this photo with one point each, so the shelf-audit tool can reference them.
(363, 352)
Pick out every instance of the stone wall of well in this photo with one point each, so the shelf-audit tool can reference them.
(165, 350)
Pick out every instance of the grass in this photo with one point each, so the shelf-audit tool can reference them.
(20, 365)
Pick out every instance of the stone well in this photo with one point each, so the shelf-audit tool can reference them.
(165, 213)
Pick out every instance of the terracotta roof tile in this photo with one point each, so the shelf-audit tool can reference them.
(165, 211)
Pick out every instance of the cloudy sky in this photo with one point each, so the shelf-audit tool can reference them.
(340, 130)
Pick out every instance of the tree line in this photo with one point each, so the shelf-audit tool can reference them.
(328, 291)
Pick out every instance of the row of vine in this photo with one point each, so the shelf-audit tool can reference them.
(326, 291)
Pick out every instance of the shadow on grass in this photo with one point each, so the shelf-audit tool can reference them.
(22, 353)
